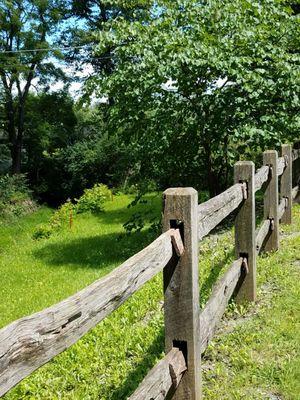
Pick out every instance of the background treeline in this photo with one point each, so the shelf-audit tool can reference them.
(180, 89)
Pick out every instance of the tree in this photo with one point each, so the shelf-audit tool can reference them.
(201, 84)
(25, 25)
(67, 148)
(87, 18)
(49, 126)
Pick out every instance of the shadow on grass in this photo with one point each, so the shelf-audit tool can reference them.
(135, 377)
(214, 275)
(150, 205)
(93, 252)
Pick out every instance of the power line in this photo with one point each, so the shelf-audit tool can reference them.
(42, 49)
(23, 64)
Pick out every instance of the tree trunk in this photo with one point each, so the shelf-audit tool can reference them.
(15, 140)
(16, 156)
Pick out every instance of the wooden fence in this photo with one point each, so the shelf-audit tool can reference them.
(30, 342)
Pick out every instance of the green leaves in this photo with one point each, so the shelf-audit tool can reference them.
(189, 77)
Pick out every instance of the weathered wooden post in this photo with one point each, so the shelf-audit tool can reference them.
(181, 289)
(245, 230)
(296, 171)
(271, 201)
(286, 183)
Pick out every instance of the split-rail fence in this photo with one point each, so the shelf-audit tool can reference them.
(30, 342)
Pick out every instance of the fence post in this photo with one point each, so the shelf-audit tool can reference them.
(286, 183)
(181, 289)
(296, 173)
(245, 230)
(271, 200)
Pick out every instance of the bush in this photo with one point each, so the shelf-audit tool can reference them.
(15, 196)
(62, 218)
(42, 231)
(93, 199)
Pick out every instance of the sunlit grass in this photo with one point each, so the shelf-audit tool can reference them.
(255, 358)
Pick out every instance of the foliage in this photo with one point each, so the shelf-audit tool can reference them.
(94, 15)
(68, 148)
(196, 88)
(253, 357)
(15, 197)
(62, 218)
(93, 199)
(25, 26)
(50, 123)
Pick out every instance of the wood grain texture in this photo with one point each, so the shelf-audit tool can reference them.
(282, 207)
(286, 184)
(261, 176)
(181, 290)
(271, 200)
(261, 234)
(30, 342)
(213, 211)
(212, 313)
(163, 379)
(296, 171)
(245, 230)
(281, 162)
(177, 242)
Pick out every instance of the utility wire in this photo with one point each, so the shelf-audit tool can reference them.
(21, 64)
(42, 49)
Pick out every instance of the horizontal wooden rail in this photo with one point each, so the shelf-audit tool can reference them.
(163, 379)
(282, 206)
(281, 164)
(261, 176)
(295, 191)
(213, 211)
(30, 342)
(212, 313)
(262, 233)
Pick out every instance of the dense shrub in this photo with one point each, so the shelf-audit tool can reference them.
(93, 199)
(15, 197)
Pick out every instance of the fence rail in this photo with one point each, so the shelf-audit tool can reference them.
(30, 342)
(213, 211)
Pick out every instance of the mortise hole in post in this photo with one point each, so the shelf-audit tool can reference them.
(182, 346)
(244, 268)
(243, 274)
(177, 224)
(245, 188)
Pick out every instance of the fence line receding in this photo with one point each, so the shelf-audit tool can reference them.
(30, 342)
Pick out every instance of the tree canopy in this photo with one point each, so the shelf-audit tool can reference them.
(203, 82)
(27, 29)
(186, 88)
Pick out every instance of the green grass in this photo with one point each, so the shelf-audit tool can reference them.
(253, 356)
(257, 352)
(39, 273)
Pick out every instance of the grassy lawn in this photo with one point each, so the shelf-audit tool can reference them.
(254, 356)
